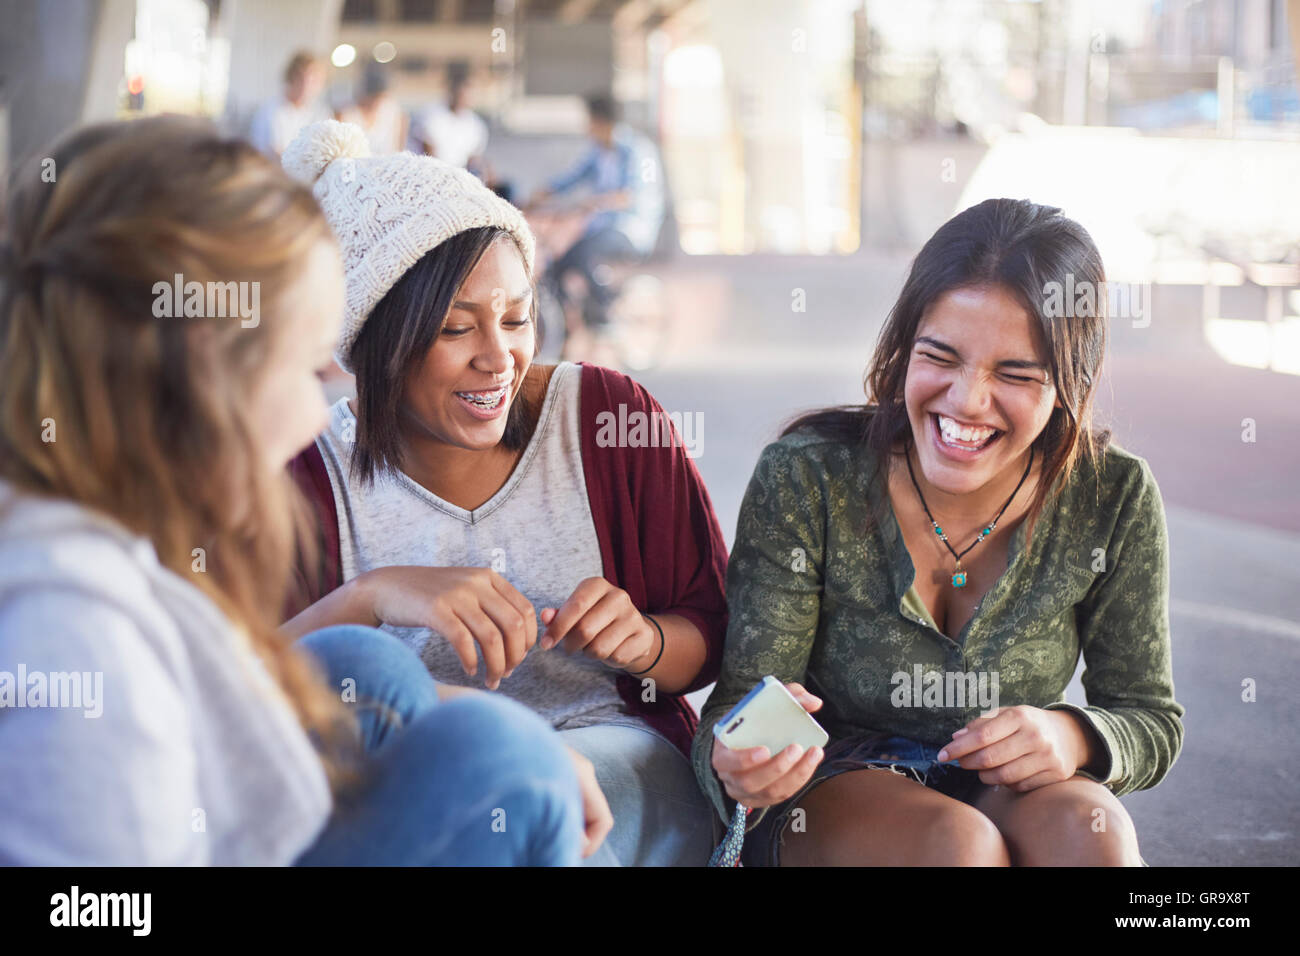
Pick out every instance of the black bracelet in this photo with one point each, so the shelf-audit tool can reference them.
(662, 642)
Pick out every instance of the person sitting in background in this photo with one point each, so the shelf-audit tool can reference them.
(278, 120)
(452, 131)
(377, 112)
(145, 548)
(457, 135)
(625, 202)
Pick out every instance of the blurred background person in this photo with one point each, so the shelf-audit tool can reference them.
(624, 208)
(451, 130)
(378, 113)
(278, 120)
(456, 134)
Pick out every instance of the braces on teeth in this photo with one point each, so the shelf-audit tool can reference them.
(484, 399)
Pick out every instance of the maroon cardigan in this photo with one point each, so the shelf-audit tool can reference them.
(659, 538)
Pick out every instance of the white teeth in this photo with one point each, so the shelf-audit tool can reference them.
(953, 432)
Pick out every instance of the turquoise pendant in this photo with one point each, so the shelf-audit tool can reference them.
(959, 579)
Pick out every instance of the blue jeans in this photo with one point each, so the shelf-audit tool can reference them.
(476, 781)
(661, 817)
(603, 246)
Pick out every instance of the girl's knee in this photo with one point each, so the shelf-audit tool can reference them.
(954, 834)
(478, 780)
(1076, 823)
(344, 645)
(1111, 832)
(384, 680)
(502, 729)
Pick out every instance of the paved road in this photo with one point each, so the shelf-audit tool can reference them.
(745, 360)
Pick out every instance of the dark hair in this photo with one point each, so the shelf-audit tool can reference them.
(396, 337)
(457, 76)
(602, 107)
(1019, 246)
(374, 80)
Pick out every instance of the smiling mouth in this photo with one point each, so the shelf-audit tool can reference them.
(955, 434)
(486, 400)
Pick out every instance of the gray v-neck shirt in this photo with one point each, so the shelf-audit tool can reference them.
(537, 532)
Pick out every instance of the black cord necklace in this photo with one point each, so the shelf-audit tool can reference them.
(959, 576)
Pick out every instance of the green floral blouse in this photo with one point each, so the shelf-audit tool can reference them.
(821, 593)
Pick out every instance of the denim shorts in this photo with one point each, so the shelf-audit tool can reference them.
(901, 755)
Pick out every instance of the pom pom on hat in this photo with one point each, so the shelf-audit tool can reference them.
(319, 144)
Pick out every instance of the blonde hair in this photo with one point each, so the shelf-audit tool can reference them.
(152, 417)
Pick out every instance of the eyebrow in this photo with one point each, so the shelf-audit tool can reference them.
(1005, 363)
(475, 307)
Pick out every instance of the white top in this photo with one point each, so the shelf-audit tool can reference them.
(384, 133)
(537, 531)
(277, 122)
(179, 749)
(456, 137)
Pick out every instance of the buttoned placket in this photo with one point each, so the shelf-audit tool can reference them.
(903, 576)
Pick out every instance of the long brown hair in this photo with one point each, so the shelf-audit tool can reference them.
(1021, 247)
(151, 414)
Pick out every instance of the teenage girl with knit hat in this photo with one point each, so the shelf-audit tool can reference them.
(478, 505)
(150, 711)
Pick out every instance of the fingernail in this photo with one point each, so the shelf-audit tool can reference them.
(958, 733)
(943, 756)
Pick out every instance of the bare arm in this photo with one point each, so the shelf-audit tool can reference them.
(683, 656)
(348, 604)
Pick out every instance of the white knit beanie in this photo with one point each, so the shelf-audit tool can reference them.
(388, 211)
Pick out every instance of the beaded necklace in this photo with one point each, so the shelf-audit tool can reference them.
(959, 576)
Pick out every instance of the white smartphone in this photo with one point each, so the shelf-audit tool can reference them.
(769, 716)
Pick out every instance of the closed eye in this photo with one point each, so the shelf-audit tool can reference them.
(938, 360)
(508, 324)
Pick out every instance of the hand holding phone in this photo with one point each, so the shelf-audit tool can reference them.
(768, 746)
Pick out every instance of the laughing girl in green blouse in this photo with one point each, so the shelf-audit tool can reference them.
(930, 566)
